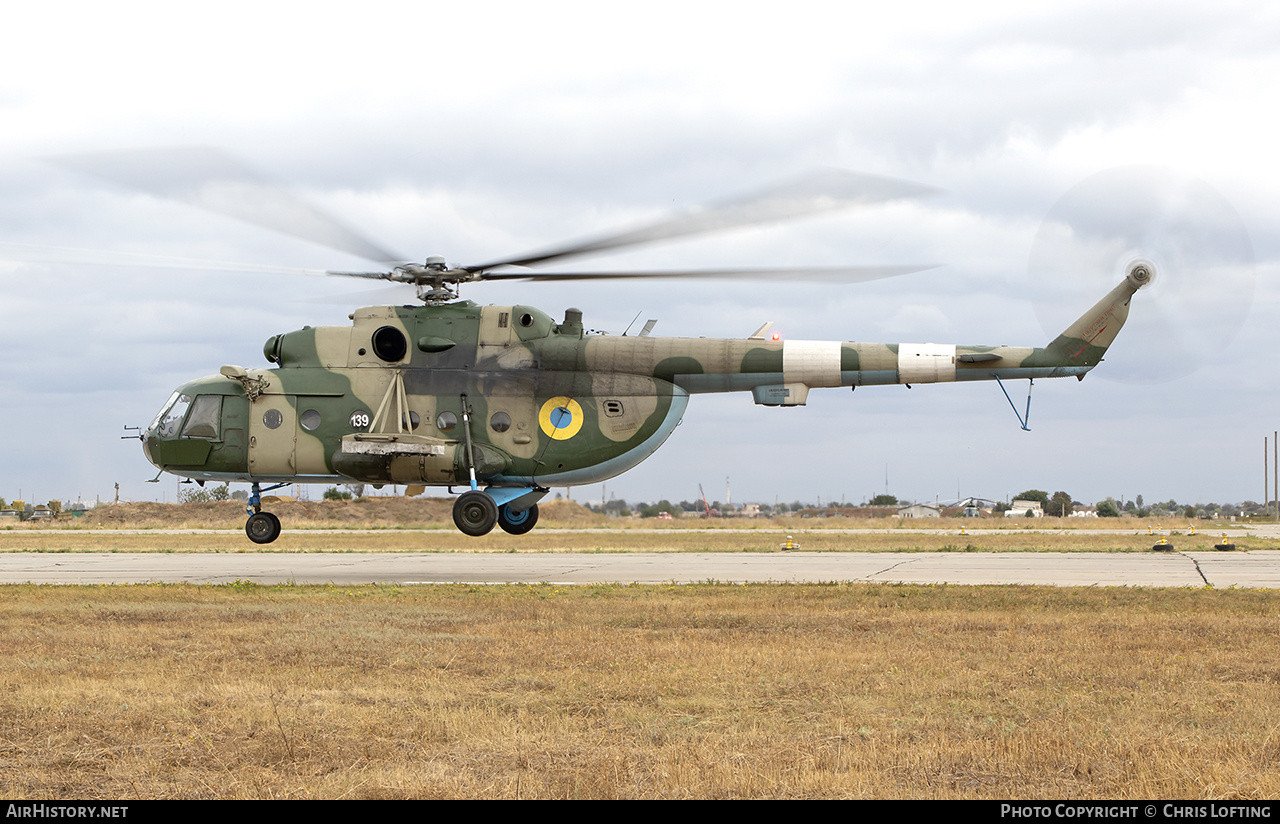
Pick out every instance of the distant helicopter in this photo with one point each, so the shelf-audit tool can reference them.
(504, 401)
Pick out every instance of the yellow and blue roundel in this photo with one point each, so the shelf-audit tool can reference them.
(560, 418)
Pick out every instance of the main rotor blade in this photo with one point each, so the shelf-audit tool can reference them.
(33, 253)
(817, 192)
(219, 183)
(838, 274)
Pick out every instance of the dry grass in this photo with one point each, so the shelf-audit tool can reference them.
(434, 513)
(639, 692)
(425, 525)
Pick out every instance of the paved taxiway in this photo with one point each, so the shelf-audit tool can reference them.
(1254, 569)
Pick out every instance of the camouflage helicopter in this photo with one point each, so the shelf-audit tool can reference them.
(507, 402)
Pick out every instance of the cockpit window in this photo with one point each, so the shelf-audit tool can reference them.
(205, 415)
(170, 418)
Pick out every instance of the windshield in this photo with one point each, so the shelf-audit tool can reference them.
(171, 414)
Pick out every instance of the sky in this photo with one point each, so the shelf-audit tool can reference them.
(478, 131)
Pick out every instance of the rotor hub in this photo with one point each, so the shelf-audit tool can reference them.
(1140, 273)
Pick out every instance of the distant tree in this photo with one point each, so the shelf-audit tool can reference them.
(1059, 505)
(884, 500)
(55, 507)
(1108, 509)
(202, 495)
(335, 494)
(656, 509)
(1034, 495)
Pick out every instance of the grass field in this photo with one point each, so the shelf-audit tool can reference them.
(706, 691)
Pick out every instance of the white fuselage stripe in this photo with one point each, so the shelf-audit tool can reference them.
(926, 362)
(811, 362)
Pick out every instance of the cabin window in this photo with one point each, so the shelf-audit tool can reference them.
(310, 420)
(500, 422)
(205, 418)
(411, 422)
(272, 418)
(446, 421)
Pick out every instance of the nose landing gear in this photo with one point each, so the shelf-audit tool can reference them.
(262, 527)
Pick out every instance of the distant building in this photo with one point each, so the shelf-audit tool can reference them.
(1019, 509)
(920, 511)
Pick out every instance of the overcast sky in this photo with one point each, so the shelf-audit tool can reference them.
(476, 131)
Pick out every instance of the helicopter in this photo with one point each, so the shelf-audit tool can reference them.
(504, 401)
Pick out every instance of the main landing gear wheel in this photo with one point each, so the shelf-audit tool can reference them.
(474, 513)
(517, 523)
(262, 527)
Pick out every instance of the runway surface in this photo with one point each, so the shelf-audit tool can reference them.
(1254, 569)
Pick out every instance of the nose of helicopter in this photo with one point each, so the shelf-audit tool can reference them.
(164, 426)
(148, 440)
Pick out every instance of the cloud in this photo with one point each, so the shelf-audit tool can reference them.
(476, 132)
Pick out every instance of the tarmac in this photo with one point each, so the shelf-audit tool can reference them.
(1252, 569)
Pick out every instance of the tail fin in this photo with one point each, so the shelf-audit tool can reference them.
(1084, 342)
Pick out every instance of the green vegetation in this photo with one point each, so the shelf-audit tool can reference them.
(201, 494)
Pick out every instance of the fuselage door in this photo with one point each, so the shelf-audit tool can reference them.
(273, 435)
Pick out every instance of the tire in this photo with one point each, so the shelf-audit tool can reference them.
(517, 523)
(262, 527)
(475, 513)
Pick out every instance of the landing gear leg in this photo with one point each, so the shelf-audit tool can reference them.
(262, 527)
